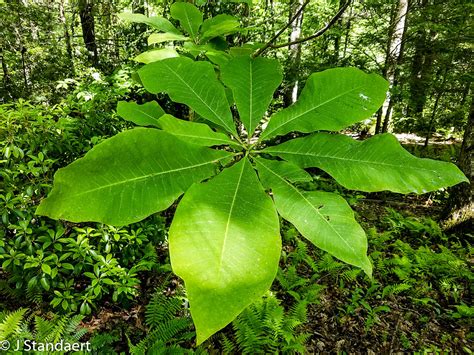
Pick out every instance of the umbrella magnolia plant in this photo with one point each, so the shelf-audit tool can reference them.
(224, 239)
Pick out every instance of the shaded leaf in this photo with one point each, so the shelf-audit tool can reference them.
(219, 25)
(142, 115)
(189, 17)
(192, 132)
(165, 37)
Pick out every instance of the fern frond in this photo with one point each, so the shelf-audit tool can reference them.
(57, 332)
(228, 347)
(395, 289)
(72, 327)
(43, 327)
(351, 274)
(11, 323)
(167, 330)
(161, 309)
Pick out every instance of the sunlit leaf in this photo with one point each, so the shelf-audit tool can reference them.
(128, 177)
(192, 83)
(324, 218)
(331, 100)
(376, 164)
(253, 82)
(225, 244)
(156, 55)
(157, 22)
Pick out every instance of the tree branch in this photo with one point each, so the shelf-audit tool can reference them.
(317, 34)
(278, 34)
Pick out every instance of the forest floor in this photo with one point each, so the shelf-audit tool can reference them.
(408, 324)
(404, 307)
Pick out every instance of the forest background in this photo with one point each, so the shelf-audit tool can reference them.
(66, 64)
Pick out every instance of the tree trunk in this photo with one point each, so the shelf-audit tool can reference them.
(348, 31)
(460, 209)
(392, 60)
(86, 15)
(67, 36)
(337, 36)
(7, 82)
(294, 57)
(432, 119)
(421, 70)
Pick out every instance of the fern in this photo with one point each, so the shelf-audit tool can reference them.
(164, 326)
(351, 274)
(265, 327)
(228, 347)
(329, 264)
(11, 323)
(161, 309)
(395, 289)
(17, 327)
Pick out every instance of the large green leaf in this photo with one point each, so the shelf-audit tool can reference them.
(224, 242)
(128, 177)
(193, 132)
(156, 55)
(376, 164)
(331, 100)
(189, 17)
(142, 115)
(218, 26)
(324, 218)
(191, 83)
(253, 82)
(156, 22)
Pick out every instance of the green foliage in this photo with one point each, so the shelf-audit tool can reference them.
(72, 268)
(217, 220)
(205, 37)
(16, 327)
(265, 327)
(166, 327)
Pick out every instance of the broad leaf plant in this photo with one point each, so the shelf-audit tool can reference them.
(224, 240)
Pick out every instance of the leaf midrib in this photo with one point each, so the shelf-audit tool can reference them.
(144, 177)
(216, 116)
(311, 109)
(200, 137)
(349, 159)
(226, 233)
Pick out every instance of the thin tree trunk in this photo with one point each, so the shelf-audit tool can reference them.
(67, 36)
(348, 31)
(294, 56)
(460, 208)
(432, 118)
(86, 8)
(393, 59)
(337, 36)
(7, 82)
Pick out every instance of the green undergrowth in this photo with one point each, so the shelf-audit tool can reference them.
(66, 277)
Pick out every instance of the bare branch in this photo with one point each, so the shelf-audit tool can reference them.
(278, 34)
(317, 34)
